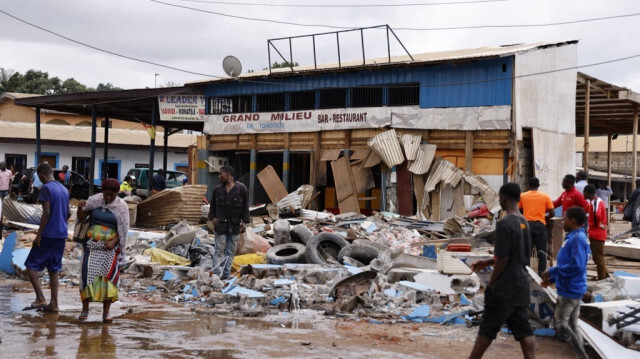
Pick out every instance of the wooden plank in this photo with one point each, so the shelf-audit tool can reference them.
(585, 151)
(272, 184)
(330, 155)
(360, 155)
(345, 186)
(403, 190)
(468, 151)
(435, 204)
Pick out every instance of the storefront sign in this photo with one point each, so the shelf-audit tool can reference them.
(297, 121)
(409, 117)
(182, 108)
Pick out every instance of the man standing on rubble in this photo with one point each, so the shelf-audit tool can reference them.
(571, 196)
(570, 277)
(536, 207)
(228, 217)
(506, 296)
(597, 229)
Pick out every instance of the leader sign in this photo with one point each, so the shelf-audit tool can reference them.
(181, 108)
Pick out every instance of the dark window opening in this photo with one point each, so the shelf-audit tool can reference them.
(504, 67)
(19, 161)
(404, 95)
(305, 100)
(366, 97)
(234, 104)
(81, 165)
(272, 102)
(333, 98)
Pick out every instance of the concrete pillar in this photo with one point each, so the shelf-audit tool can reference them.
(286, 155)
(252, 175)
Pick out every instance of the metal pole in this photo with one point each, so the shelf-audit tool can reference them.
(152, 145)
(400, 42)
(587, 125)
(105, 161)
(315, 62)
(252, 175)
(92, 164)
(286, 158)
(364, 61)
(269, 53)
(388, 45)
(634, 164)
(290, 55)
(338, 41)
(38, 141)
(165, 149)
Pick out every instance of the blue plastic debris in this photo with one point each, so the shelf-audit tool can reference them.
(6, 257)
(414, 285)
(278, 300)
(541, 332)
(186, 288)
(20, 256)
(282, 282)
(621, 273)
(464, 300)
(598, 298)
(393, 292)
(429, 251)
(194, 292)
(237, 290)
(373, 321)
(151, 288)
(168, 276)
(153, 244)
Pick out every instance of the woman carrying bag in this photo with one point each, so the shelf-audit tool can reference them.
(103, 248)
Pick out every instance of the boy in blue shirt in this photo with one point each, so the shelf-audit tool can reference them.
(570, 277)
(50, 241)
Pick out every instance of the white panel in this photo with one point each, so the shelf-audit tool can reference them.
(554, 157)
(546, 101)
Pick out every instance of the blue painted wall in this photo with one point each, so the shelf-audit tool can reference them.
(478, 83)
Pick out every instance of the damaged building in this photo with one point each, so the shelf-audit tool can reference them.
(398, 133)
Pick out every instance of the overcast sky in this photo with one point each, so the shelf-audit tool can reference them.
(198, 42)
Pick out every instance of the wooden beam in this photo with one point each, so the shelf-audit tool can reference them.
(585, 150)
(468, 151)
(634, 165)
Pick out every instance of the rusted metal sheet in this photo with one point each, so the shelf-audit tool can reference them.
(21, 212)
(424, 159)
(387, 146)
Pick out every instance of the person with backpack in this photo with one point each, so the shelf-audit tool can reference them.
(597, 229)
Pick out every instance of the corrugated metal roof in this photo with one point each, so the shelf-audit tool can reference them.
(411, 144)
(442, 171)
(424, 58)
(423, 160)
(26, 130)
(488, 194)
(387, 146)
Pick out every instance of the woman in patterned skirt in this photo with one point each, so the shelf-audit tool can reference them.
(103, 250)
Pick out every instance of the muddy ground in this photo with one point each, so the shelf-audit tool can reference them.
(144, 329)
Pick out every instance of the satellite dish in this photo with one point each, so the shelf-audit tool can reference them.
(232, 66)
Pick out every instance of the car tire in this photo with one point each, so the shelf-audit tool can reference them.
(329, 243)
(301, 233)
(286, 253)
(362, 253)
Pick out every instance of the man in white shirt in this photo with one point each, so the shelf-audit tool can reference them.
(581, 180)
(5, 180)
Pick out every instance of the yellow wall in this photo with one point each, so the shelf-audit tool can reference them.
(13, 113)
(485, 162)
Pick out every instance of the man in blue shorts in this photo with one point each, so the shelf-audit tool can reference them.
(49, 244)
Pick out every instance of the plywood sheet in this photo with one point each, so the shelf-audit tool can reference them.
(345, 186)
(359, 155)
(272, 185)
(330, 155)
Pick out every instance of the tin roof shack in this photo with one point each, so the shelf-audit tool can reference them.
(504, 112)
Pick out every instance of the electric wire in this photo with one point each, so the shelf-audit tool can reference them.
(346, 5)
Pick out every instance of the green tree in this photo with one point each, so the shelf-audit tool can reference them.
(107, 87)
(5, 75)
(277, 65)
(70, 85)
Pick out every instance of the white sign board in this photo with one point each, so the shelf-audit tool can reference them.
(297, 121)
(410, 117)
(181, 108)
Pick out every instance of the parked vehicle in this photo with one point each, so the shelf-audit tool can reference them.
(140, 177)
(79, 185)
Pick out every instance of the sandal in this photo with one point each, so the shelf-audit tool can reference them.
(107, 320)
(35, 306)
(83, 316)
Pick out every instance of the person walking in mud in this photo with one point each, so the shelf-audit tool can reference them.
(506, 296)
(228, 217)
(49, 244)
(103, 249)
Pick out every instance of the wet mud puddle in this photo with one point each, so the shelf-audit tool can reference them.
(140, 330)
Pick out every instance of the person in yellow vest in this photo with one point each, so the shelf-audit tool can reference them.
(125, 188)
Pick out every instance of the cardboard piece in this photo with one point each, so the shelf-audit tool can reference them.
(272, 185)
(346, 190)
